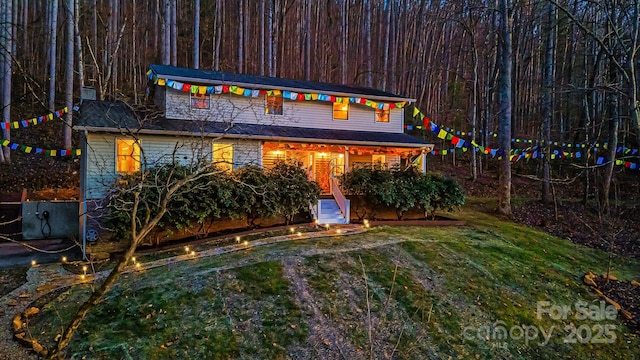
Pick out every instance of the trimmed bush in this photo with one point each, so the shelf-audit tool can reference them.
(250, 191)
(402, 189)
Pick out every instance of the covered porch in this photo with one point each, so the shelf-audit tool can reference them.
(325, 162)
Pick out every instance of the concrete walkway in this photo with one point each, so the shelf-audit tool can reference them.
(43, 279)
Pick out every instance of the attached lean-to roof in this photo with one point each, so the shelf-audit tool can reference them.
(118, 117)
(262, 82)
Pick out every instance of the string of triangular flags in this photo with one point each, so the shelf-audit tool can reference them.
(290, 95)
(37, 150)
(516, 154)
(604, 145)
(33, 121)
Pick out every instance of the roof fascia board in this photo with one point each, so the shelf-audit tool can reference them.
(256, 137)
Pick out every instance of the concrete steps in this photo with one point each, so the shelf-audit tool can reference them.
(330, 213)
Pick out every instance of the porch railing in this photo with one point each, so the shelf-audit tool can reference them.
(341, 200)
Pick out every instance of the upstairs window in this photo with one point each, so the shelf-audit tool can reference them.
(223, 156)
(382, 115)
(127, 156)
(200, 101)
(273, 105)
(340, 111)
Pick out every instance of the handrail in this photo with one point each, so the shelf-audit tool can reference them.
(341, 200)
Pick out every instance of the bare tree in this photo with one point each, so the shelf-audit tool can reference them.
(504, 104)
(6, 45)
(547, 103)
(141, 226)
(196, 34)
(69, 75)
(53, 57)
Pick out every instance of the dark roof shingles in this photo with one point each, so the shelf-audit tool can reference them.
(263, 81)
(119, 116)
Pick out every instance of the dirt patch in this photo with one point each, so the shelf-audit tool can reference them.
(324, 337)
(11, 279)
(582, 225)
(625, 294)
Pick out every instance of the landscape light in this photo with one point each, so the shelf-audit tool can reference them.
(246, 243)
(186, 249)
(64, 259)
(237, 239)
(193, 253)
(33, 263)
(292, 229)
(338, 231)
(299, 233)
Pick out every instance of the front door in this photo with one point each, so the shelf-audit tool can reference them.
(323, 172)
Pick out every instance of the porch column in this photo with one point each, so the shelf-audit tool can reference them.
(423, 161)
(346, 159)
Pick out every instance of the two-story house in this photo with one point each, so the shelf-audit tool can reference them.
(237, 119)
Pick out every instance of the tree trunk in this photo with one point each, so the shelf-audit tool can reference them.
(614, 122)
(166, 59)
(369, 66)
(53, 54)
(174, 32)
(270, 61)
(240, 36)
(504, 106)
(78, 41)
(344, 39)
(387, 38)
(261, 18)
(68, 93)
(6, 41)
(547, 105)
(474, 108)
(307, 40)
(196, 35)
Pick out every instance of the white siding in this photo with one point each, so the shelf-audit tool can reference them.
(309, 114)
(101, 167)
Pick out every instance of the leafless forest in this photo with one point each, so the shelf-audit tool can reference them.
(550, 70)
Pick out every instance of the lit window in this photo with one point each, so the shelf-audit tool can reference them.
(340, 111)
(223, 156)
(273, 105)
(127, 156)
(200, 101)
(379, 161)
(382, 115)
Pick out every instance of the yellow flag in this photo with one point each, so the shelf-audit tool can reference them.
(415, 111)
(28, 149)
(162, 82)
(53, 153)
(442, 134)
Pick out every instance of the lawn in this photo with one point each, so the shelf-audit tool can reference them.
(394, 292)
